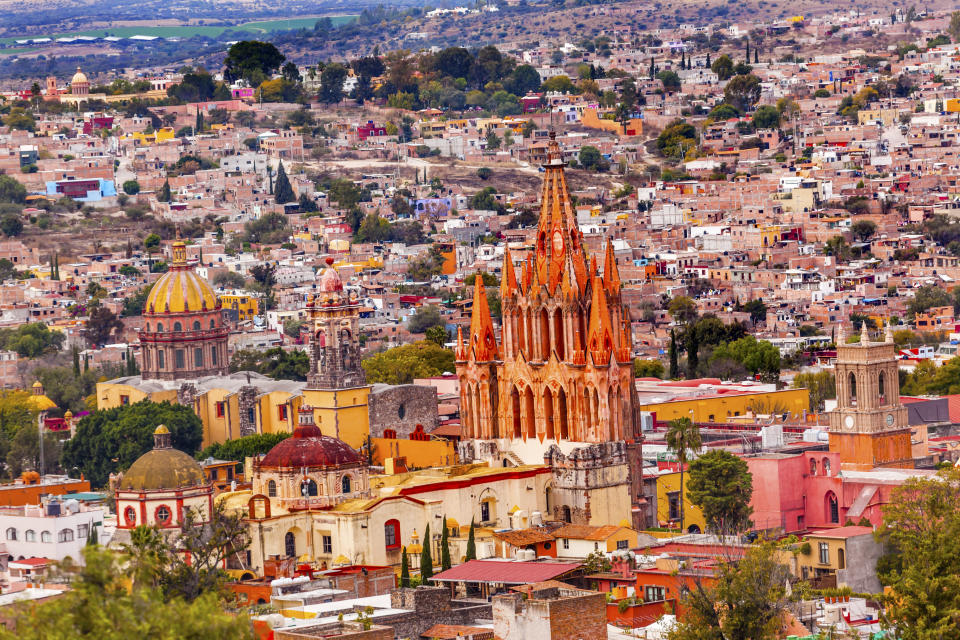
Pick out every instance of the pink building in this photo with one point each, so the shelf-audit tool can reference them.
(805, 491)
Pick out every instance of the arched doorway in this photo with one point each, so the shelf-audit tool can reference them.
(693, 529)
(832, 507)
(290, 544)
(565, 513)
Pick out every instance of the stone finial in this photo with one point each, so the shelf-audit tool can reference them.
(864, 336)
(888, 334)
(841, 334)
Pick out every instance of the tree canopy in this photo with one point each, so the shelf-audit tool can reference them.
(252, 60)
(110, 441)
(402, 364)
(721, 485)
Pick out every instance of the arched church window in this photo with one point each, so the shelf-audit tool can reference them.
(272, 489)
(177, 326)
(345, 484)
(813, 466)
(853, 389)
(196, 325)
(290, 544)
(881, 388)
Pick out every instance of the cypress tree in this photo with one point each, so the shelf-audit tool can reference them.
(56, 264)
(404, 569)
(708, 59)
(674, 368)
(653, 70)
(282, 190)
(199, 126)
(94, 539)
(756, 55)
(164, 195)
(444, 547)
(471, 543)
(426, 561)
(76, 362)
(86, 363)
(693, 355)
(747, 59)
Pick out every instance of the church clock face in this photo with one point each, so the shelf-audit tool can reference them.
(848, 421)
(889, 419)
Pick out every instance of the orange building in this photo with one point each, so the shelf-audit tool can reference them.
(562, 370)
(28, 489)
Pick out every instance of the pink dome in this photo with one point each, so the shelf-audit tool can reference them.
(329, 281)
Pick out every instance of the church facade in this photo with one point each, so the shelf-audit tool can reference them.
(558, 387)
(562, 371)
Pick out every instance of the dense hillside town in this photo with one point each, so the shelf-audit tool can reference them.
(648, 334)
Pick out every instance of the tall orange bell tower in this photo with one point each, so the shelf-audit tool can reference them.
(869, 427)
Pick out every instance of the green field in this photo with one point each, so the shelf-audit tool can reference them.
(260, 27)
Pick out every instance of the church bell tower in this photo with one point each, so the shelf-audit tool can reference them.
(869, 427)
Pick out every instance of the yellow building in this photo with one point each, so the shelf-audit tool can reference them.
(723, 407)
(141, 139)
(668, 503)
(246, 306)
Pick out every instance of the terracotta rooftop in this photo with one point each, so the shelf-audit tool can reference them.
(586, 531)
(523, 537)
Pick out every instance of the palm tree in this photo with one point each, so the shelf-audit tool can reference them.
(683, 436)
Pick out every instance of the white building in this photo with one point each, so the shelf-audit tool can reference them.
(54, 530)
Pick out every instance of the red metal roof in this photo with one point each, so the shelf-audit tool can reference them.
(310, 448)
(506, 571)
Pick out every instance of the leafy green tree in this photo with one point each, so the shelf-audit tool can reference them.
(131, 187)
(766, 117)
(238, 449)
(426, 561)
(821, 385)
(424, 318)
(927, 297)
(954, 27)
(723, 67)
(921, 529)
(837, 246)
(11, 226)
(228, 280)
(683, 437)
(133, 305)
(670, 80)
(99, 604)
(756, 356)
(402, 364)
(863, 230)
(276, 363)
(252, 60)
(437, 335)
(102, 324)
(757, 310)
(677, 139)
(32, 340)
(109, 441)
(746, 601)
(12, 191)
(648, 368)
(331, 83)
(283, 191)
(743, 91)
(682, 309)
(721, 485)
(590, 158)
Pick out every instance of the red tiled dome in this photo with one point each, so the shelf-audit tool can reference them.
(308, 447)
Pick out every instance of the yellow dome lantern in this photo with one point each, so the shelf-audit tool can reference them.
(180, 290)
(79, 77)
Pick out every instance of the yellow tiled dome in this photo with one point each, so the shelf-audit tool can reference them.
(79, 77)
(180, 289)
